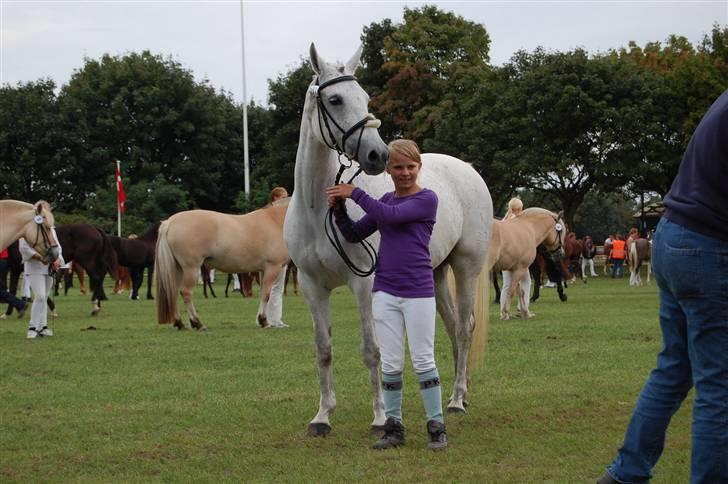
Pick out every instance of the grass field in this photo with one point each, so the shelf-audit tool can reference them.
(130, 401)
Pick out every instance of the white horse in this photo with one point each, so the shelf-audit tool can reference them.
(31, 222)
(335, 118)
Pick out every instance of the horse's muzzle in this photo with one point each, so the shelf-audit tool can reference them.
(52, 253)
(374, 160)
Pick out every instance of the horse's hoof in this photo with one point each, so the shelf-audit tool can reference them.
(318, 429)
(563, 297)
(202, 328)
(378, 431)
(95, 312)
(456, 411)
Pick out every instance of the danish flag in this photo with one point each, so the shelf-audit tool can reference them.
(120, 195)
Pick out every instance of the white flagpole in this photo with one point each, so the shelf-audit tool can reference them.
(118, 206)
(246, 160)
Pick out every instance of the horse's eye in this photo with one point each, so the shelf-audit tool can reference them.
(335, 100)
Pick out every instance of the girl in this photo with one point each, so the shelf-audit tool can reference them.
(404, 290)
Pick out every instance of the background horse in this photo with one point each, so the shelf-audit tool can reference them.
(31, 222)
(230, 243)
(90, 247)
(640, 250)
(206, 281)
(545, 264)
(336, 120)
(573, 249)
(65, 275)
(513, 248)
(138, 254)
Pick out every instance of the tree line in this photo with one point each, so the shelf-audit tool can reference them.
(584, 132)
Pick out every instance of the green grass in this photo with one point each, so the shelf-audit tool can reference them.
(135, 402)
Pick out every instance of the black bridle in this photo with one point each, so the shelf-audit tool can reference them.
(559, 230)
(41, 232)
(326, 119)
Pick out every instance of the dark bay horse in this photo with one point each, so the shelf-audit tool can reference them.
(91, 248)
(573, 249)
(138, 254)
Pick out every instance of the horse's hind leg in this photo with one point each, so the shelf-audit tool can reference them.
(189, 279)
(270, 275)
(465, 283)
(317, 298)
(448, 312)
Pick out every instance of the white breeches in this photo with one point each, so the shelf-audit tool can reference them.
(275, 303)
(41, 285)
(585, 263)
(397, 317)
(521, 293)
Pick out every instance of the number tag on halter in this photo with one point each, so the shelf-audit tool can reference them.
(558, 227)
(38, 219)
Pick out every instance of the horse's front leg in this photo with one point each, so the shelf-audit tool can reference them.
(150, 278)
(270, 275)
(317, 297)
(369, 349)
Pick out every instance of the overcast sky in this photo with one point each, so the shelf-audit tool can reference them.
(51, 38)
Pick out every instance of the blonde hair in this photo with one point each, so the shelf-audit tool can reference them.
(514, 203)
(406, 148)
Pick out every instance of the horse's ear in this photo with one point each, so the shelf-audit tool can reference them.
(560, 215)
(317, 62)
(355, 60)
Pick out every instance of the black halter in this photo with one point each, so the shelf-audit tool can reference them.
(326, 119)
(559, 228)
(42, 233)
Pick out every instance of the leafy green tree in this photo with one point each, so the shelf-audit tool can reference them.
(29, 143)
(149, 113)
(421, 57)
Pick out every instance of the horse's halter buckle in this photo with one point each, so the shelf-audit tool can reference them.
(326, 119)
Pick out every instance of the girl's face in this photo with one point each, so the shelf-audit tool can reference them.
(403, 171)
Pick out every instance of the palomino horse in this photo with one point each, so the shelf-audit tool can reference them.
(513, 248)
(90, 247)
(336, 123)
(229, 243)
(31, 222)
(640, 250)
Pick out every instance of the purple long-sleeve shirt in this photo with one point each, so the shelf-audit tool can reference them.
(404, 265)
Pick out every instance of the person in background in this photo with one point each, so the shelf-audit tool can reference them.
(37, 272)
(403, 303)
(618, 254)
(690, 256)
(5, 295)
(515, 207)
(590, 250)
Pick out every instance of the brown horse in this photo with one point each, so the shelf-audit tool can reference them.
(138, 254)
(513, 248)
(91, 248)
(66, 275)
(31, 222)
(230, 243)
(573, 248)
(640, 250)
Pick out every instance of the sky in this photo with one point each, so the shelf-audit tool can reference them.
(50, 39)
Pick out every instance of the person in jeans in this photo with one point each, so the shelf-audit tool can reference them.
(403, 304)
(690, 257)
(618, 254)
(5, 295)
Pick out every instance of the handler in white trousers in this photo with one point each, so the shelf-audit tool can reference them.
(36, 273)
(275, 303)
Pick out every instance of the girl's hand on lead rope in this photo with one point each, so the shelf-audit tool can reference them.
(338, 193)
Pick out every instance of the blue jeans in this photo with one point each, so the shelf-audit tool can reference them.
(617, 267)
(692, 273)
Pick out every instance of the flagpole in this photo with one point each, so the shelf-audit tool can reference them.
(246, 160)
(118, 205)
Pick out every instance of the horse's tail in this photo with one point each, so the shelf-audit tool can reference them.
(481, 314)
(633, 258)
(168, 275)
(109, 257)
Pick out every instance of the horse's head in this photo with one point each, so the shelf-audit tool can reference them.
(39, 234)
(339, 115)
(556, 237)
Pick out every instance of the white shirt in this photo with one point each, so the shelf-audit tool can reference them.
(34, 266)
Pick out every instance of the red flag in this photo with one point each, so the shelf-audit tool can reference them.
(120, 195)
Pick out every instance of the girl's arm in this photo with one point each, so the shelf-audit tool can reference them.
(412, 210)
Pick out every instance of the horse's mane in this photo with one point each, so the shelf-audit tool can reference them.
(533, 211)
